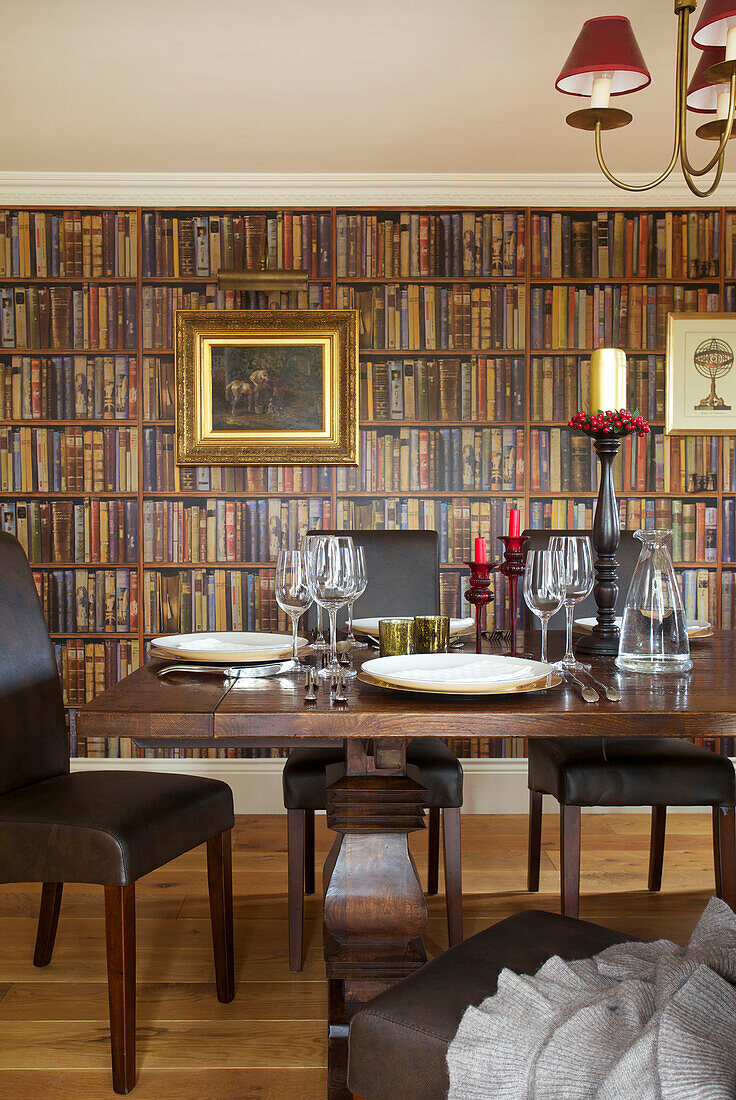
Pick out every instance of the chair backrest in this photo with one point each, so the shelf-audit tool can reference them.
(627, 556)
(33, 738)
(403, 569)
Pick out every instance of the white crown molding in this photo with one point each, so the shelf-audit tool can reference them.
(341, 189)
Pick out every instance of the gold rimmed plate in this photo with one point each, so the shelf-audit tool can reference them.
(230, 647)
(459, 674)
(697, 629)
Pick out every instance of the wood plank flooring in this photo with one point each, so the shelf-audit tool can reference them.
(269, 1044)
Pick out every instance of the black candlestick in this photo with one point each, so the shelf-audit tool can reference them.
(603, 639)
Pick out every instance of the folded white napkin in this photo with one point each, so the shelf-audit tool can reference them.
(456, 625)
(210, 644)
(489, 670)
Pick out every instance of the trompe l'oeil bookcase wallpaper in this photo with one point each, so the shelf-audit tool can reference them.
(476, 329)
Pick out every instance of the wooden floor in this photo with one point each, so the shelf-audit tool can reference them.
(269, 1043)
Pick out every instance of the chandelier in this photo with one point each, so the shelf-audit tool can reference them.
(606, 61)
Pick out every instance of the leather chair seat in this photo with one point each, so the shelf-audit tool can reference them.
(305, 783)
(581, 771)
(107, 827)
(399, 1040)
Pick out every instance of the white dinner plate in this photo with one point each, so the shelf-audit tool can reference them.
(696, 628)
(232, 647)
(459, 673)
(370, 626)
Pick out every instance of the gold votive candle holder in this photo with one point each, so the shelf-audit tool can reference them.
(396, 637)
(431, 633)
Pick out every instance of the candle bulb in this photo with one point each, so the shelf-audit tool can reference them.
(514, 523)
(480, 549)
(607, 380)
(600, 95)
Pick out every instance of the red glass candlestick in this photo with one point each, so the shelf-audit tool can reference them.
(478, 593)
(512, 568)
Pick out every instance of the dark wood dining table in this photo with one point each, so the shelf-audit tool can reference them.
(374, 907)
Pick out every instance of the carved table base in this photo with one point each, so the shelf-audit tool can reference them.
(375, 911)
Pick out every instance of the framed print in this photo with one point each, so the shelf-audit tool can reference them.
(701, 376)
(266, 387)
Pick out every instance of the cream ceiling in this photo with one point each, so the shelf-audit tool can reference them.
(282, 86)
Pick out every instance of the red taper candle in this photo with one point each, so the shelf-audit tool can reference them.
(480, 549)
(514, 523)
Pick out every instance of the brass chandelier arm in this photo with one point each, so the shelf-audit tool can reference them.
(679, 150)
(635, 186)
(703, 193)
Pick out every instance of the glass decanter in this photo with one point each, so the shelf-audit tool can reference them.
(654, 629)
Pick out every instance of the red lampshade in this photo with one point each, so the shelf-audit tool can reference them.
(702, 96)
(604, 45)
(715, 19)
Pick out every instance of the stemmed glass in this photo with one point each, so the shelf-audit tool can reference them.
(319, 638)
(577, 567)
(293, 594)
(544, 587)
(361, 580)
(332, 582)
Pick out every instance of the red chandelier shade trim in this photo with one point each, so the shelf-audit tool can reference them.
(715, 19)
(604, 45)
(702, 97)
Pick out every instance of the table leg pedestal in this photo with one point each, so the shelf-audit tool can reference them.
(375, 912)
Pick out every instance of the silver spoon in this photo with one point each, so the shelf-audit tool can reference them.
(590, 695)
(612, 694)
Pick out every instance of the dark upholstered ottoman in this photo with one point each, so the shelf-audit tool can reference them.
(399, 1041)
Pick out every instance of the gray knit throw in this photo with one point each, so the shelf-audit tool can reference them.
(651, 1021)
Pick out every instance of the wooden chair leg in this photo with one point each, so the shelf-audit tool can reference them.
(453, 873)
(433, 850)
(309, 851)
(120, 938)
(570, 860)
(717, 854)
(656, 847)
(220, 883)
(535, 840)
(48, 919)
(295, 850)
(724, 848)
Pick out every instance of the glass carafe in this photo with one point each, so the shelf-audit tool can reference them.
(654, 630)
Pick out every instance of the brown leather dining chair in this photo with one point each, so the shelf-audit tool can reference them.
(399, 1040)
(600, 771)
(403, 579)
(102, 827)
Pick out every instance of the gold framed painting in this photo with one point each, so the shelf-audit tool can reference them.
(266, 387)
(700, 374)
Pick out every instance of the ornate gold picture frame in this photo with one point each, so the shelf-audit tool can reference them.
(266, 387)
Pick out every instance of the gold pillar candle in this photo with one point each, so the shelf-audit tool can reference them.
(431, 633)
(607, 379)
(396, 637)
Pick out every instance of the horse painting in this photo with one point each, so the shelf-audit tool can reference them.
(266, 388)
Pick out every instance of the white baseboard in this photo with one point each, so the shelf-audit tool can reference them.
(493, 786)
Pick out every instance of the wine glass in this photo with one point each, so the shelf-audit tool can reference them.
(332, 582)
(293, 594)
(577, 567)
(361, 580)
(544, 587)
(319, 638)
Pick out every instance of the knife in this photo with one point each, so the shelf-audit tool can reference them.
(230, 672)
